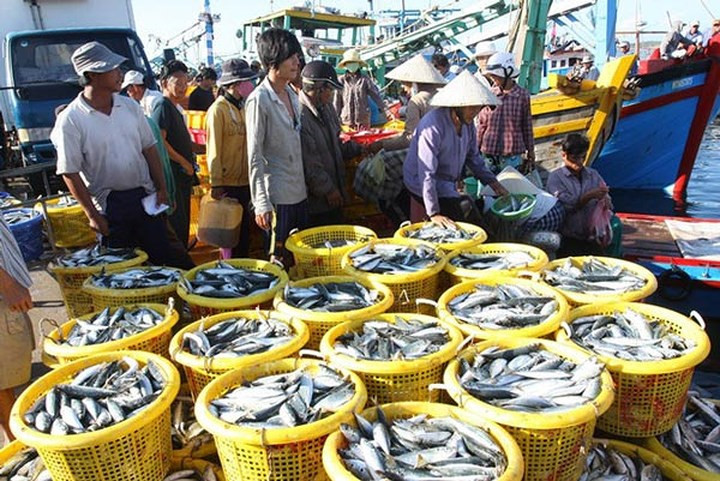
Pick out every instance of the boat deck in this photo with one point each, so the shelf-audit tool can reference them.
(647, 237)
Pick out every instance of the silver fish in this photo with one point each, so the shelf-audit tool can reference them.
(96, 256)
(331, 296)
(530, 379)
(606, 464)
(500, 261)
(65, 201)
(17, 216)
(437, 234)
(137, 278)
(237, 337)
(696, 437)
(381, 258)
(98, 396)
(227, 281)
(385, 341)
(285, 400)
(593, 277)
(25, 465)
(511, 204)
(206, 474)
(7, 201)
(186, 432)
(335, 243)
(629, 335)
(421, 448)
(503, 306)
(111, 325)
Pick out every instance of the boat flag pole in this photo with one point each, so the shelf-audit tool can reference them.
(707, 9)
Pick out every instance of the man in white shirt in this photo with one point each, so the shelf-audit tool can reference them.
(134, 85)
(106, 154)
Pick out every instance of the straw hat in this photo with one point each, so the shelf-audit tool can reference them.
(464, 91)
(587, 59)
(417, 70)
(350, 56)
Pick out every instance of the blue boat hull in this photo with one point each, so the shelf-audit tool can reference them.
(646, 148)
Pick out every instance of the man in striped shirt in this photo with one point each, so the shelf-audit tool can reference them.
(16, 335)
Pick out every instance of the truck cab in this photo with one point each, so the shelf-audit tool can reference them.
(40, 78)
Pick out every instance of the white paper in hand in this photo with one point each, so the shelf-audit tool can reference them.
(151, 206)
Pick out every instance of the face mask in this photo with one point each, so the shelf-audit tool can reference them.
(244, 89)
(414, 89)
(352, 67)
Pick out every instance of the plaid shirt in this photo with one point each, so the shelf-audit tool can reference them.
(392, 185)
(507, 130)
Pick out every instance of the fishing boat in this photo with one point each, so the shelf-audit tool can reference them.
(658, 134)
(684, 255)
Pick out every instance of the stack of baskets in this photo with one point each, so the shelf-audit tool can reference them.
(71, 280)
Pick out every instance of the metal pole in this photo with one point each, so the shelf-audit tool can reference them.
(209, 35)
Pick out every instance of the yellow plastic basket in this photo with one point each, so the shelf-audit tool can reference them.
(284, 454)
(71, 279)
(696, 473)
(195, 119)
(650, 396)
(202, 162)
(103, 297)
(180, 463)
(201, 370)
(479, 232)
(135, 449)
(195, 199)
(319, 323)
(554, 445)
(580, 298)
(69, 225)
(324, 261)
(667, 466)
(549, 326)
(9, 451)
(407, 288)
(395, 381)
(459, 274)
(201, 306)
(335, 467)
(155, 340)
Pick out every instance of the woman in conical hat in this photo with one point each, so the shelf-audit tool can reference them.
(444, 143)
(421, 80)
(351, 102)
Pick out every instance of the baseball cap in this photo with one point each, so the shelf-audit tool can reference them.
(95, 57)
(133, 77)
(318, 71)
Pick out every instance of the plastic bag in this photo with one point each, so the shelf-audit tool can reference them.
(374, 168)
(599, 222)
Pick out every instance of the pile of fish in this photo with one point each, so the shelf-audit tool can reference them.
(383, 258)
(65, 201)
(594, 277)
(99, 396)
(18, 216)
(186, 432)
(387, 341)
(237, 337)
(7, 201)
(285, 400)
(226, 281)
(421, 448)
(530, 379)
(604, 464)
(503, 261)
(331, 296)
(26, 465)
(137, 278)
(503, 306)
(192, 475)
(96, 256)
(630, 336)
(106, 326)
(437, 234)
(335, 243)
(696, 437)
(511, 204)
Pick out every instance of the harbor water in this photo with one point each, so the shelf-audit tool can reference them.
(703, 196)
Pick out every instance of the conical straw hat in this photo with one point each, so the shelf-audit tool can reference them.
(417, 70)
(464, 91)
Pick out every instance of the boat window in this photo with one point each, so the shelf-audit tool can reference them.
(553, 64)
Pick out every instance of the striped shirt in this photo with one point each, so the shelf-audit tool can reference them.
(507, 129)
(11, 260)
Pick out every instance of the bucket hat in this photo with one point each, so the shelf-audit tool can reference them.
(350, 56)
(235, 70)
(417, 70)
(95, 57)
(485, 49)
(464, 91)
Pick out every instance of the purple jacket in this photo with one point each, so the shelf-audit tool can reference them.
(436, 157)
